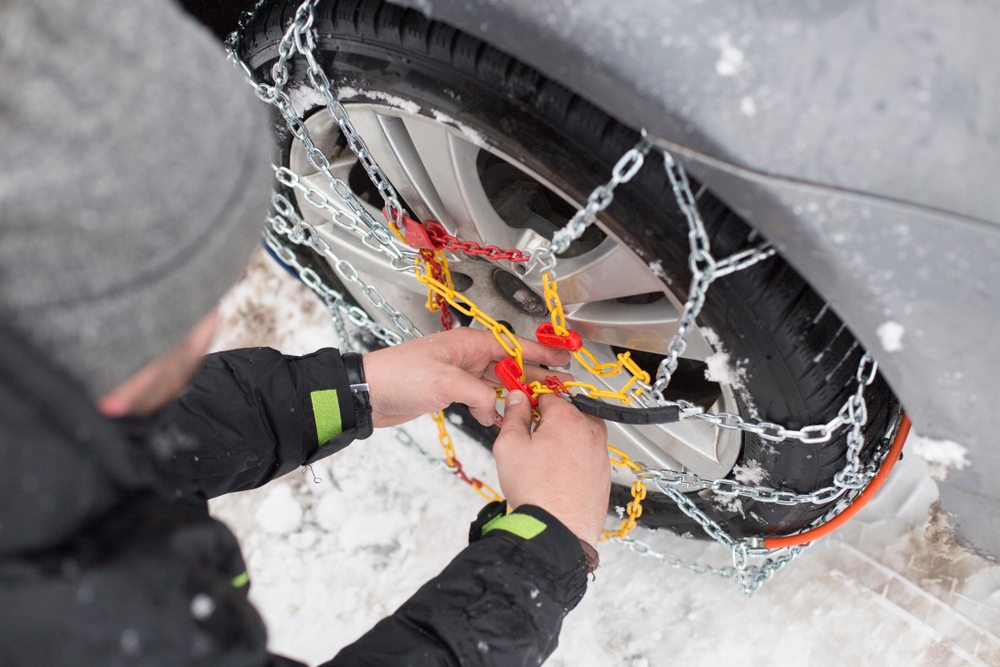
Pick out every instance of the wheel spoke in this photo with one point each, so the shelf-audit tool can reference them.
(646, 327)
(609, 271)
(390, 144)
(467, 210)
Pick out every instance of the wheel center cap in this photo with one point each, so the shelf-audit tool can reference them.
(518, 294)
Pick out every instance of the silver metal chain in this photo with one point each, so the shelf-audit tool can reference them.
(301, 232)
(543, 258)
(300, 38)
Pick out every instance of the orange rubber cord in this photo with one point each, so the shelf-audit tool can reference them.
(859, 502)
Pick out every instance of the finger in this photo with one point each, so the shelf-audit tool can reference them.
(537, 353)
(481, 347)
(516, 417)
(537, 374)
(561, 416)
(474, 392)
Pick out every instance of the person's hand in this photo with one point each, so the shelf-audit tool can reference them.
(562, 467)
(432, 372)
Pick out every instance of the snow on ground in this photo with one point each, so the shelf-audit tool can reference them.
(327, 560)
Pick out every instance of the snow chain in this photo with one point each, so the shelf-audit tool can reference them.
(419, 248)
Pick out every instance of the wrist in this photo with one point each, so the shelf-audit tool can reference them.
(580, 526)
(360, 395)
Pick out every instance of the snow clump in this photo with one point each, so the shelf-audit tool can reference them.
(941, 455)
(891, 335)
(279, 513)
(750, 472)
(731, 60)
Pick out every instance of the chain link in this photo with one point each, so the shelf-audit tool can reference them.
(455, 466)
(440, 237)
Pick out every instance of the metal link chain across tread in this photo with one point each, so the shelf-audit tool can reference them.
(431, 269)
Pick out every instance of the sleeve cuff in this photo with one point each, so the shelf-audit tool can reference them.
(325, 396)
(543, 542)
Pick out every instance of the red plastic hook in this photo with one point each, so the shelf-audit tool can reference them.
(416, 234)
(547, 336)
(509, 373)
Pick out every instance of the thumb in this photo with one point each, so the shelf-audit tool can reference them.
(516, 416)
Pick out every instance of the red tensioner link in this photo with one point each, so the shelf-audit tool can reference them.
(431, 235)
(509, 373)
(547, 336)
(416, 234)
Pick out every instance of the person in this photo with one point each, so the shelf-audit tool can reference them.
(134, 180)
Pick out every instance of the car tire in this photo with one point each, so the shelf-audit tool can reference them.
(796, 358)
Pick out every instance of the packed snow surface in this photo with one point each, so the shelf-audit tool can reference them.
(890, 588)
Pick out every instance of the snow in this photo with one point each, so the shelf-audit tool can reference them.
(721, 369)
(731, 60)
(470, 134)
(346, 92)
(202, 606)
(280, 513)
(940, 455)
(747, 106)
(890, 334)
(304, 98)
(890, 587)
(750, 472)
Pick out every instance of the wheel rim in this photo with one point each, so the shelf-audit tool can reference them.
(450, 174)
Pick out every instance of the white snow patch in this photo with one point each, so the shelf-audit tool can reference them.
(731, 60)
(202, 606)
(941, 455)
(747, 106)
(470, 134)
(728, 503)
(750, 472)
(719, 366)
(392, 100)
(304, 98)
(890, 334)
(719, 369)
(657, 269)
(279, 513)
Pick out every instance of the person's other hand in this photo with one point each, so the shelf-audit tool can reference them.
(432, 372)
(562, 467)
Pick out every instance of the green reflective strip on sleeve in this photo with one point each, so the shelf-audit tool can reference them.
(326, 410)
(521, 525)
(241, 579)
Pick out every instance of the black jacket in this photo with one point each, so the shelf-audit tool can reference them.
(107, 550)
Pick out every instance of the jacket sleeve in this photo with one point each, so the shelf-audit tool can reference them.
(253, 415)
(499, 602)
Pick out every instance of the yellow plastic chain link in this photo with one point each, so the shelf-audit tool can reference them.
(634, 509)
(467, 307)
(447, 444)
(586, 358)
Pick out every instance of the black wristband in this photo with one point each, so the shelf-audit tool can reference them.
(360, 398)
